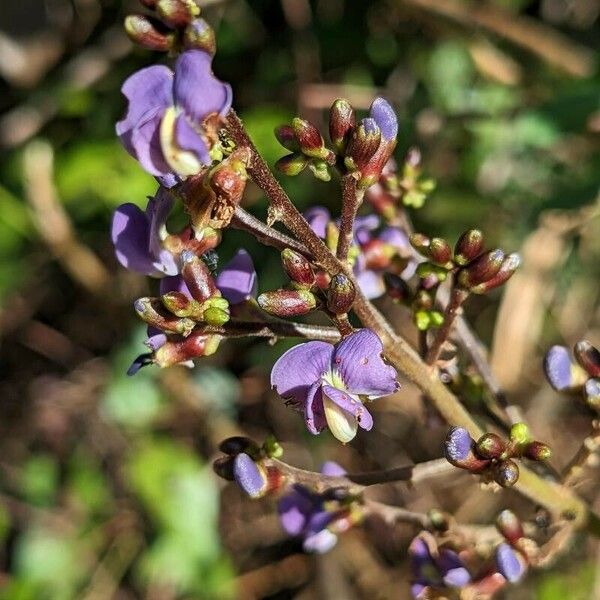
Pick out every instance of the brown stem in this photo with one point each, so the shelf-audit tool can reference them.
(351, 201)
(274, 330)
(457, 297)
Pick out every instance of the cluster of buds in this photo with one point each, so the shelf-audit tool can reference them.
(308, 290)
(579, 376)
(491, 456)
(361, 149)
(173, 26)
(396, 189)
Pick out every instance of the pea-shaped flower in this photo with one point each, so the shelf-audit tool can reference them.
(166, 125)
(330, 384)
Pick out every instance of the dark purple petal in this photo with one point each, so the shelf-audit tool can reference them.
(458, 444)
(558, 368)
(299, 368)
(237, 281)
(248, 476)
(320, 542)
(318, 217)
(130, 232)
(187, 138)
(332, 469)
(196, 89)
(357, 359)
(314, 413)
(318, 520)
(351, 405)
(385, 117)
(173, 284)
(508, 563)
(147, 90)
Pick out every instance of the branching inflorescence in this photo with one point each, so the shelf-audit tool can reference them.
(181, 128)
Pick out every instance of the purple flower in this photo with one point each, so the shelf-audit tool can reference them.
(137, 236)
(439, 570)
(508, 563)
(558, 367)
(165, 127)
(237, 281)
(249, 476)
(302, 514)
(329, 383)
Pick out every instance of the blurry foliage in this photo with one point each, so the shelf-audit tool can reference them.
(502, 154)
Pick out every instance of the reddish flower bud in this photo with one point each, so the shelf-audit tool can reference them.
(506, 473)
(148, 33)
(287, 138)
(197, 277)
(287, 303)
(468, 247)
(509, 265)
(481, 270)
(292, 164)
(298, 269)
(363, 145)
(341, 294)
(588, 357)
(510, 526)
(420, 243)
(490, 445)
(440, 251)
(180, 304)
(177, 13)
(201, 36)
(195, 345)
(342, 121)
(151, 311)
(538, 451)
(309, 138)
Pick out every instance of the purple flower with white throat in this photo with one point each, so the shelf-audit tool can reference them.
(168, 126)
(138, 236)
(330, 384)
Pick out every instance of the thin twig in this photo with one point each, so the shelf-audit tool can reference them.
(274, 330)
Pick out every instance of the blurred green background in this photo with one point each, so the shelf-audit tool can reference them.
(106, 489)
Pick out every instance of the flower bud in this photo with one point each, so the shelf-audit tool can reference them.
(509, 564)
(538, 451)
(236, 444)
(458, 449)
(177, 13)
(440, 251)
(490, 446)
(152, 312)
(506, 473)
(520, 435)
(287, 138)
(309, 138)
(253, 478)
(342, 121)
(588, 357)
(363, 145)
(592, 393)
(215, 316)
(420, 242)
(341, 294)
(509, 265)
(197, 277)
(200, 35)
(292, 164)
(561, 372)
(181, 305)
(228, 180)
(320, 169)
(148, 33)
(298, 269)
(396, 288)
(510, 526)
(195, 345)
(468, 247)
(482, 269)
(287, 303)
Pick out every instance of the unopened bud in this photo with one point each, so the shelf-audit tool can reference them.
(506, 473)
(298, 268)
(440, 251)
(458, 449)
(177, 13)
(363, 145)
(181, 305)
(342, 121)
(215, 316)
(287, 303)
(228, 180)
(341, 294)
(538, 451)
(490, 445)
(592, 393)
(509, 265)
(151, 311)
(520, 434)
(238, 443)
(287, 138)
(200, 35)
(562, 373)
(309, 138)
(588, 357)
(482, 269)
(320, 169)
(253, 478)
(197, 277)
(510, 526)
(148, 33)
(292, 164)
(420, 242)
(151, 4)
(195, 345)
(468, 247)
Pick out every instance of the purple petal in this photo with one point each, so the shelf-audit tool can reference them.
(147, 90)
(146, 148)
(592, 391)
(458, 577)
(293, 510)
(370, 125)
(248, 476)
(385, 117)
(371, 283)
(558, 368)
(314, 413)
(196, 89)
(350, 405)
(357, 359)
(395, 237)
(237, 281)
(332, 469)
(318, 217)
(508, 563)
(299, 368)
(417, 590)
(130, 232)
(157, 212)
(452, 569)
(156, 339)
(187, 138)
(320, 542)
(458, 444)
(363, 226)
(173, 284)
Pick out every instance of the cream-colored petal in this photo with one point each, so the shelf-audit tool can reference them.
(342, 424)
(183, 162)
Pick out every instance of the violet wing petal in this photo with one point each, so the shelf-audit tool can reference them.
(357, 359)
(145, 144)
(314, 412)
(237, 281)
(350, 405)
(187, 138)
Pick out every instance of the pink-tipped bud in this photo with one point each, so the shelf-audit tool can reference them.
(341, 294)
(342, 121)
(588, 357)
(468, 247)
(292, 164)
(148, 33)
(197, 277)
(287, 303)
(490, 445)
(195, 345)
(510, 526)
(177, 13)
(509, 265)
(151, 311)
(309, 138)
(287, 138)
(298, 269)
(506, 473)
(481, 270)
(200, 35)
